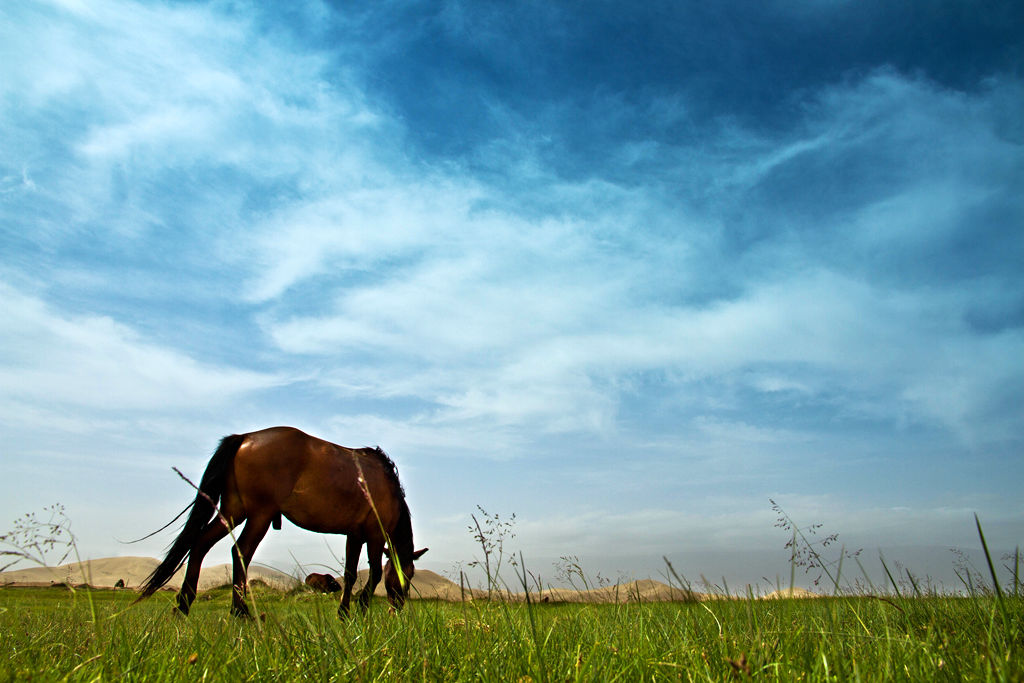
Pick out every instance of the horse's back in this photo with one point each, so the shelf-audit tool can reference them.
(314, 483)
(278, 437)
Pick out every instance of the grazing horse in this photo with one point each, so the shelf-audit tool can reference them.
(323, 583)
(258, 477)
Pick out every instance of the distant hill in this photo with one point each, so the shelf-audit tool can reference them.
(426, 585)
(429, 585)
(106, 572)
(790, 593)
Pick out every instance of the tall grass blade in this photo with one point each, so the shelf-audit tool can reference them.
(889, 574)
(867, 577)
(917, 591)
(988, 559)
(839, 570)
(792, 564)
(992, 570)
(684, 583)
(1016, 572)
(541, 668)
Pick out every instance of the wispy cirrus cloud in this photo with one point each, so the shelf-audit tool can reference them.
(96, 364)
(535, 319)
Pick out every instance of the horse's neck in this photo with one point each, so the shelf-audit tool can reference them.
(402, 536)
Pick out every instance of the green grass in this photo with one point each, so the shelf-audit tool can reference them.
(54, 634)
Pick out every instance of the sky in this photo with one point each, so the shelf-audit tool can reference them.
(626, 270)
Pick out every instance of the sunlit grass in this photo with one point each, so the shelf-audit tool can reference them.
(51, 634)
(901, 631)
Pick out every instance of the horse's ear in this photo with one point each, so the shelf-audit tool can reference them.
(419, 553)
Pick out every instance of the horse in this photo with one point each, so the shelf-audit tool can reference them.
(323, 583)
(257, 477)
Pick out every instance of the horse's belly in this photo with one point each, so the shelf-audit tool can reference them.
(325, 511)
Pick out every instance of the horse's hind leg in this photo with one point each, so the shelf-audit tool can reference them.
(254, 531)
(213, 532)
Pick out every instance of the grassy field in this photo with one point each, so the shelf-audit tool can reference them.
(56, 634)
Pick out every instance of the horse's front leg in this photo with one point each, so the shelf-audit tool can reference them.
(353, 546)
(374, 551)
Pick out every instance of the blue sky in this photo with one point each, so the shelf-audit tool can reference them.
(626, 271)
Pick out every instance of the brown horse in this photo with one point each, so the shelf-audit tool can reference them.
(322, 583)
(257, 477)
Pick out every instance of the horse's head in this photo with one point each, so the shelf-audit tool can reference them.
(393, 584)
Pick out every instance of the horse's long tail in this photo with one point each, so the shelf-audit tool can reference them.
(210, 488)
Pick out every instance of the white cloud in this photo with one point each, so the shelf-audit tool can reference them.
(93, 364)
(368, 218)
(482, 340)
(152, 101)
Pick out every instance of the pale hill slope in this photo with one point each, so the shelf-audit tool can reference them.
(105, 573)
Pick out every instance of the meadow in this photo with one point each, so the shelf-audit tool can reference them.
(88, 635)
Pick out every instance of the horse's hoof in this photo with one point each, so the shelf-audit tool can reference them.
(241, 612)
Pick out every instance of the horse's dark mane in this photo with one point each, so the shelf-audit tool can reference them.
(403, 528)
(389, 466)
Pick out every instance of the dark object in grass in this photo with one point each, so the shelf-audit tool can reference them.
(258, 477)
(323, 583)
